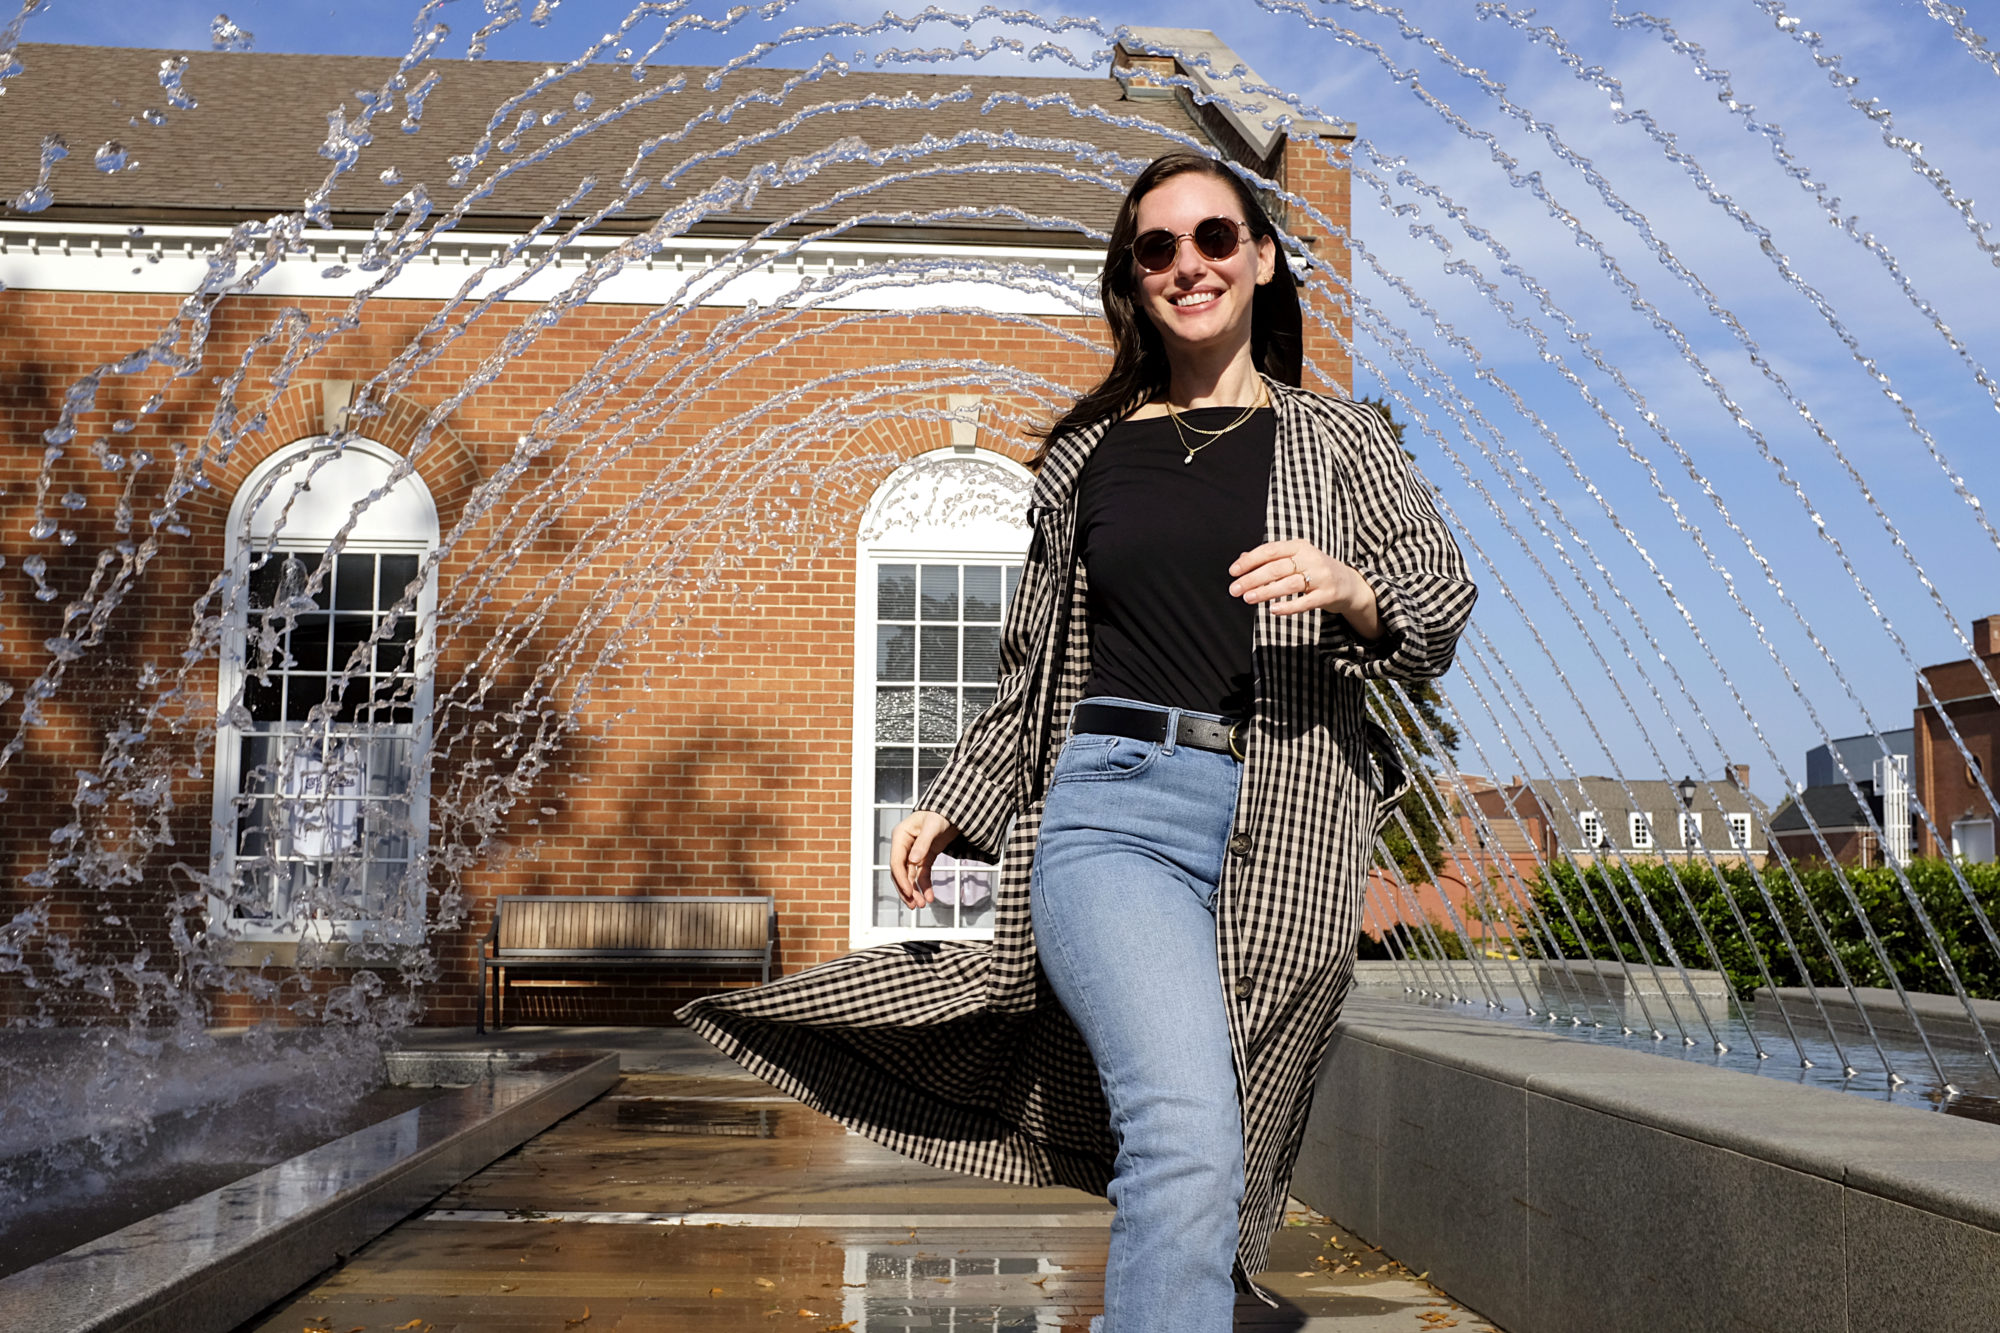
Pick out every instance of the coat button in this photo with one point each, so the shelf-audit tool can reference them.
(1243, 987)
(1239, 844)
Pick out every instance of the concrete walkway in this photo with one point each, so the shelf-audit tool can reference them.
(696, 1199)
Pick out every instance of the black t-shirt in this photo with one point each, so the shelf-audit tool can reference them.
(1157, 535)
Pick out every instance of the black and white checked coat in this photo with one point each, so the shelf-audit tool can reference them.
(956, 1053)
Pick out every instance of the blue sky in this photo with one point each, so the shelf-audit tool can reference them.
(1777, 453)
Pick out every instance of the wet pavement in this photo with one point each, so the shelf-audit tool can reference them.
(696, 1199)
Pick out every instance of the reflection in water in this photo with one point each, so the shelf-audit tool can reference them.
(678, 1117)
(954, 1293)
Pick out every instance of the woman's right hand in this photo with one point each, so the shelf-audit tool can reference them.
(913, 845)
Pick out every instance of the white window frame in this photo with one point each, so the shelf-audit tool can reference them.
(1739, 832)
(1591, 825)
(916, 516)
(403, 521)
(1969, 837)
(1690, 825)
(1639, 831)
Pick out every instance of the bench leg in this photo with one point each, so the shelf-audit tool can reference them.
(480, 1021)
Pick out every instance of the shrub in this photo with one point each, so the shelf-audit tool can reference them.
(1640, 884)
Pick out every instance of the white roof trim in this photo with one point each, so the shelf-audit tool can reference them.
(1256, 116)
(174, 260)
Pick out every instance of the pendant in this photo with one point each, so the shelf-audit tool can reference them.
(1189, 458)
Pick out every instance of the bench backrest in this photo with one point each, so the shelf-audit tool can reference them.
(632, 927)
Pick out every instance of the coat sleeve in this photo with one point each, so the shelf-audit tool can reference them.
(1423, 594)
(978, 789)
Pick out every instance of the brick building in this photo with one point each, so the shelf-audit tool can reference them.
(1953, 785)
(683, 580)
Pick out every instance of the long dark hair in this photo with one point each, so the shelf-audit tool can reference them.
(1139, 357)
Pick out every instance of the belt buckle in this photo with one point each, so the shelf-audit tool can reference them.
(1236, 750)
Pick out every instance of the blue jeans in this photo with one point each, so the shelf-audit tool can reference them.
(1123, 895)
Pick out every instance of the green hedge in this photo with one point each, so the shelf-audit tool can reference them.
(1877, 890)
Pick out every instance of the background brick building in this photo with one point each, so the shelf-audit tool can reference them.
(1954, 785)
(643, 534)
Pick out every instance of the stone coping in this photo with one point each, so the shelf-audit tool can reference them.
(1941, 1163)
(213, 1262)
(1553, 981)
(1943, 1016)
(1555, 1184)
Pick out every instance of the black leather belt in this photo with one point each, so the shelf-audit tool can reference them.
(1146, 724)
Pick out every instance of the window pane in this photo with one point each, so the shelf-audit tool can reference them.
(894, 724)
(354, 582)
(888, 905)
(303, 693)
(937, 715)
(398, 572)
(1013, 582)
(310, 642)
(348, 634)
(893, 783)
(896, 592)
(940, 653)
(975, 895)
(263, 583)
(885, 823)
(931, 761)
(977, 701)
(982, 654)
(264, 697)
(940, 592)
(982, 592)
(895, 652)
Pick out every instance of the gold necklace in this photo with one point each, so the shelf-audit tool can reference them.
(1263, 396)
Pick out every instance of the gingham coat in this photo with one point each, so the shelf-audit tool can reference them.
(956, 1053)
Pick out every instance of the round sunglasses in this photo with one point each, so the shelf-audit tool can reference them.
(1215, 238)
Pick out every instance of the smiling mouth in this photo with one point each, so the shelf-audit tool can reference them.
(1194, 299)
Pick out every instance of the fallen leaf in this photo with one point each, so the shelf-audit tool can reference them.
(839, 1328)
(412, 1324)
(1040, 1281)
(940, 1279)
(715, 1291)
(580, 1319)
(510, 1286)
(1307, 1273)
(809, 1314)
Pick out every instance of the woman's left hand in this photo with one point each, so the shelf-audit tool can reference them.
(1307, 579)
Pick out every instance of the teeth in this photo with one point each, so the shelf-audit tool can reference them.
(1194, 298)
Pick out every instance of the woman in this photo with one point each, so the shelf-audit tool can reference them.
(1176, 777)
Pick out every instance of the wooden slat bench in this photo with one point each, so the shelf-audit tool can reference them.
(545, 934)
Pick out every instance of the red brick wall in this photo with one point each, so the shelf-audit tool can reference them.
(1940, 773)
(1316, 170)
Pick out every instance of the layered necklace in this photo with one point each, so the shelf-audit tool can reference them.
(1181, 428)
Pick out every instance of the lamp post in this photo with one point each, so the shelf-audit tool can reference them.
(1685, 787)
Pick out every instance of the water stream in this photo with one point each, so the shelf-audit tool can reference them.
(1712, 435)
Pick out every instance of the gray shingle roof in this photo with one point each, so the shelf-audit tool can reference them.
(1833, 809)
(253, 147)
(1567, 799)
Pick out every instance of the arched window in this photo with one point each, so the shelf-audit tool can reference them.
(938, 561)
(324, 691)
